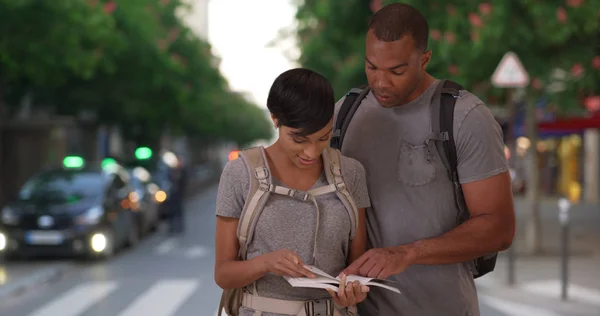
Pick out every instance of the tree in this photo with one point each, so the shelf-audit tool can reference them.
(468, 39)
(39, 39)
(136, 66)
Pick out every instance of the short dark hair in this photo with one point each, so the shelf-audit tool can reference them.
(396, 20)
(301, 99)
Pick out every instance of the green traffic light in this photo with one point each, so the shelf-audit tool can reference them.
(107, 162)
(73, 162)
(143, 153)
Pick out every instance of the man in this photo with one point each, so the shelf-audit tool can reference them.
(414, 235)
(178, 178)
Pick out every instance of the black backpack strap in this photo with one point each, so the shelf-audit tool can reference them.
(442, 112)
(442, 128)
(352, 101)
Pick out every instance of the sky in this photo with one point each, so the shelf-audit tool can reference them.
(240, 32)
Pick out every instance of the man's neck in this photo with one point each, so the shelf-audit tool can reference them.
(421, 88)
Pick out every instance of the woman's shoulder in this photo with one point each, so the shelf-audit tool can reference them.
(349, 164)
(235, 172)
(352, 170)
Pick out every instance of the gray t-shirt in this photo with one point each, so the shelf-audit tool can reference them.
(412, 197)
(287, 223)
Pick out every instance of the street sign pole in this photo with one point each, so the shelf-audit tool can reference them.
(563, 206)
(510, 74)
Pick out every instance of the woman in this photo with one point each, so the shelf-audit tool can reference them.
(287, 235)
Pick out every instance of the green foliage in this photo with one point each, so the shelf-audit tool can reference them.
(467, 39)
(132, 63)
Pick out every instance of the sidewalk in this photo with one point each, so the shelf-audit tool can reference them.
(538, 278)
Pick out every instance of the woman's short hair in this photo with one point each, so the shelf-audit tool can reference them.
(302, 99)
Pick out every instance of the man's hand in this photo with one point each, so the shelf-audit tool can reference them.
(380, 263)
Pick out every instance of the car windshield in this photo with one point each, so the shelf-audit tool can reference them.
(63, 187)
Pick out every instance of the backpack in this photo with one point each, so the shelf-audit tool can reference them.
(261, 188)
(442, 113)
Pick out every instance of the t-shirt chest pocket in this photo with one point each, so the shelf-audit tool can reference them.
(417, 164)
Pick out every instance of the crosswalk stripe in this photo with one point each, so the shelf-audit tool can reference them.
(511, 308)
(76, 301)
(166, 246)
(163, 299)
(197, 252)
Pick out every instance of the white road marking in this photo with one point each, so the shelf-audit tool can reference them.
(77, 300)
(166, 246)
(197, 252)
(162, 299)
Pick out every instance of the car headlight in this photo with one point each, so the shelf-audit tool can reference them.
(9, 216)
(91, 216)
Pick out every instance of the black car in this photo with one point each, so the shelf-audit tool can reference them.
(84, 211)
(146, 199)
(159, 172)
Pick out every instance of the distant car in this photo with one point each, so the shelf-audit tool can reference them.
(146, 199)
(77, 209)
(158, 171)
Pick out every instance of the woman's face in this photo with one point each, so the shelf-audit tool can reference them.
(304, 151)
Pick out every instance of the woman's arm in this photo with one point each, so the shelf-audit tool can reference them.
(358, 245)
(232, 273)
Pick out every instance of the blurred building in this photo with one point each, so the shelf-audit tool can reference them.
(568, 152)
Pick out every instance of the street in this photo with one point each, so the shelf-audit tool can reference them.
(162, 276)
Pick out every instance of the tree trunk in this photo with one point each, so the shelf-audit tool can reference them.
(533, 228)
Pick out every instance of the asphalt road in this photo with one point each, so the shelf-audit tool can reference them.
(162, 276)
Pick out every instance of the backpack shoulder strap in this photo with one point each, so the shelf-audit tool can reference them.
(442, 122)
(332, 164)
(260, 183)
(352, 101)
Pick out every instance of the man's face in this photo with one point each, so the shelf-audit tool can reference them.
(305, 151)
(394, 69)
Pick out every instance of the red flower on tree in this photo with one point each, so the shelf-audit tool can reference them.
(475, 20)
(577, 70)
(561, 15)
(485, 8)
(536, 83)
(450, 37)
(453, 70)
(596, 62)
(592, 103)
(376, 5)
(110, 7)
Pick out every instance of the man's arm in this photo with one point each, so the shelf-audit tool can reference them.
(491, 227)
(486, 184)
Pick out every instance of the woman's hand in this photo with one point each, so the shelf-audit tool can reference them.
(349, 294)
(285, 263)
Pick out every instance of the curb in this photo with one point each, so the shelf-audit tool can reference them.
(23, 285)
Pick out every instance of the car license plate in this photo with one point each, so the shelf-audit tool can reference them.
(44, 238)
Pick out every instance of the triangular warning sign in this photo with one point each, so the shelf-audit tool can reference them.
(510, 73)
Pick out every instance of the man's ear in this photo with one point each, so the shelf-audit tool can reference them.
(425, 58)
